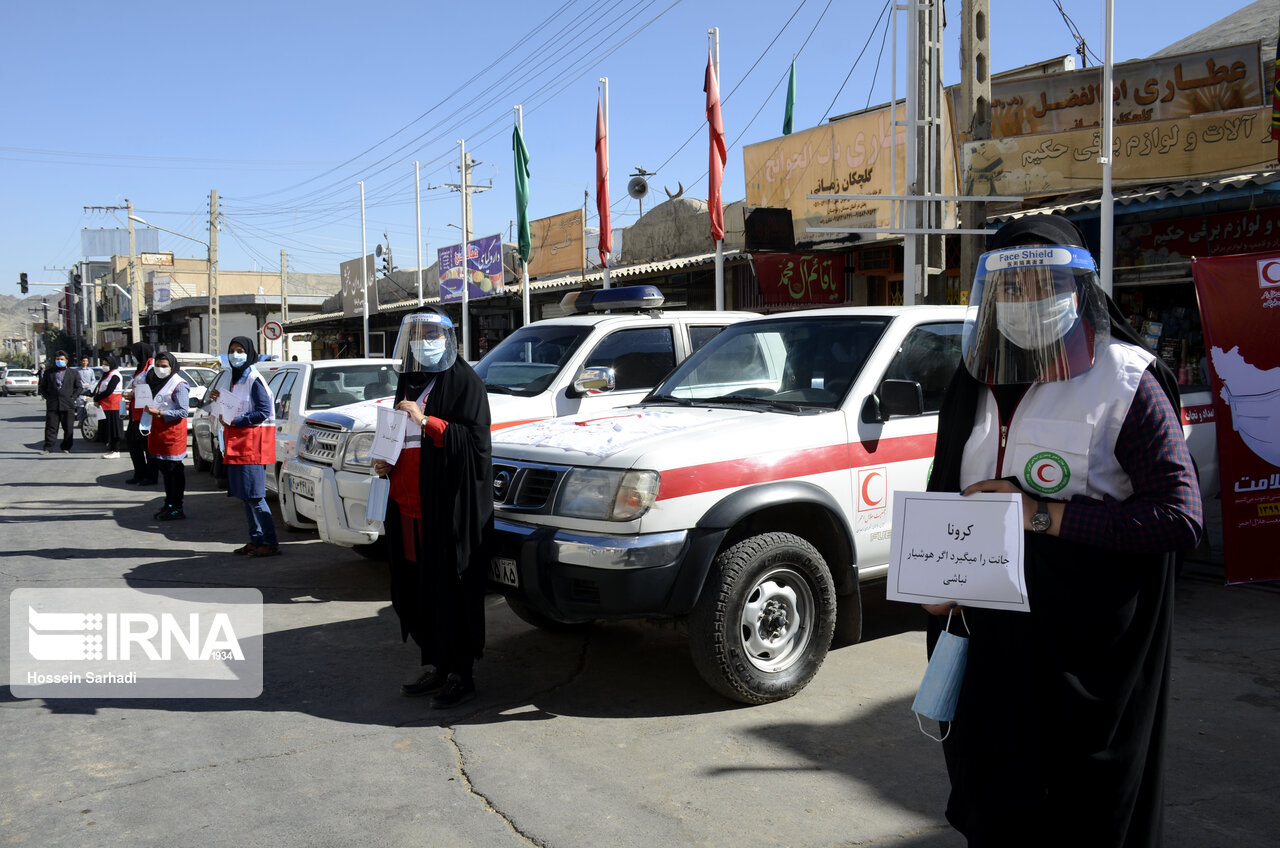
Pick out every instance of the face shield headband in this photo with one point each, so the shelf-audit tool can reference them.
(426, 344)
(1036, 314)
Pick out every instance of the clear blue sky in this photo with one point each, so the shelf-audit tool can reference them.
(283, 106)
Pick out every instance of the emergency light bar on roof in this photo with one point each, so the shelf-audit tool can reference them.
(636, 298)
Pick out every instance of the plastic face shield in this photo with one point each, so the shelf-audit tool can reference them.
(426, 344)
(1036, 314)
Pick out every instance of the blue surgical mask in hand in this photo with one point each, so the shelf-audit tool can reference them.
(237, 360)
(940, 689)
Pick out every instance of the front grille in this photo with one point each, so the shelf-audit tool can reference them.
(319, 442)
(525, 486)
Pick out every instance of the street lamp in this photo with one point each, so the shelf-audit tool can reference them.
(208, 269)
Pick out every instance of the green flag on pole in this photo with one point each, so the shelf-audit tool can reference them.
(791, 100)
(522, 194)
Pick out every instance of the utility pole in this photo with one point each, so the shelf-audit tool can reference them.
(975, 117)
(284, 305)
(214, 306)
(135, 303)
(465, 188)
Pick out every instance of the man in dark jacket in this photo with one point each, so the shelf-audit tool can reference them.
(60, 386)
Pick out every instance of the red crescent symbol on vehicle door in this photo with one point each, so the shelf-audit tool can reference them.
(866, 498)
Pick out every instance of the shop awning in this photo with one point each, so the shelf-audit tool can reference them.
(1149, 198)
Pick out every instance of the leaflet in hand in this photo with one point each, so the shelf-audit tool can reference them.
(388, 438)
(228, 407)
(142, 396)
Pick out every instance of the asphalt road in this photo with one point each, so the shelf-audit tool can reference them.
(606, 737)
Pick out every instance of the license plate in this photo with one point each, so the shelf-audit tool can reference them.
(503, 570)
(303, 486)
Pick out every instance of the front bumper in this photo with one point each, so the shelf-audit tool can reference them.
(335, 501)
(574, 576)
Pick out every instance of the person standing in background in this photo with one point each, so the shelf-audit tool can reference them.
(143, 472)
(107, 395)
(87, 377)
(60, 386)
(248, 429)
(167, 439)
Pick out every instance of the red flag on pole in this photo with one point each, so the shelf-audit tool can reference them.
(1275, 98)
(719, 154)
(602, 185)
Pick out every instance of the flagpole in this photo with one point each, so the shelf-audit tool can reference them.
(524, 266)
(417, 205)
(604, 82)
(364, 272)
(715, 57)
(1107, 221)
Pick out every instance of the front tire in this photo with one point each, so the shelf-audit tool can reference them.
(89, 428)
(762, 627)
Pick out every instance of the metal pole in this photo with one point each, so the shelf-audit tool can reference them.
(524, 266)
(417, 208)
(1107, 211)
(134, 301)
(364, 271)
(284, 306)
(466, 237)
(215, 308)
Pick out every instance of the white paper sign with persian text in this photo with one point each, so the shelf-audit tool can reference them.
(946, 547)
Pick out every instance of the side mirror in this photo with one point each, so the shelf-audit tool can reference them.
(894, 397)
(594, 381)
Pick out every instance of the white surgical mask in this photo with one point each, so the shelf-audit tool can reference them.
(1255, 417)
(237, 359)
(428, 351)
(162, 373)
(1036, 323)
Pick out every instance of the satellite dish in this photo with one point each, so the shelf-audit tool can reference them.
(638, 187)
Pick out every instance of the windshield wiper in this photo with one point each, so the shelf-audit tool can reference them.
(748, 400)
(498, 390)
(668, 399)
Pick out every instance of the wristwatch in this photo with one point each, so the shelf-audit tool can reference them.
(1041, 522)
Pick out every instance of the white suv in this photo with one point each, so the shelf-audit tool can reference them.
(579, 364)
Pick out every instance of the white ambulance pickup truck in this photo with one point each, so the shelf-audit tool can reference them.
(748, 494)
(579, 364)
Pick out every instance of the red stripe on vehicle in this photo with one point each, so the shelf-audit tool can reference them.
(505, 424)
(785, 465)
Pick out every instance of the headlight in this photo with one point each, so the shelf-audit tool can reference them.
(356, 455)
(607, 494)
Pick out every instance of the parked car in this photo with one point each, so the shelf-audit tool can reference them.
(577, 364)
(19, 381)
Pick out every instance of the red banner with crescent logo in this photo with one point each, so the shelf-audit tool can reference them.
(1240, 311)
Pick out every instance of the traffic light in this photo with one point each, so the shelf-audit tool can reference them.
(76, 283)
(22, 282)
(386, 263)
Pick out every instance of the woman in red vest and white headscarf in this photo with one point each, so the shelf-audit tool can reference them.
(167, 438)
(248, 429)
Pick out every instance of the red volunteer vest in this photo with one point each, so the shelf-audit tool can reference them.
(167, 438)
(405, 489)
(254, 445)
(112, 401)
